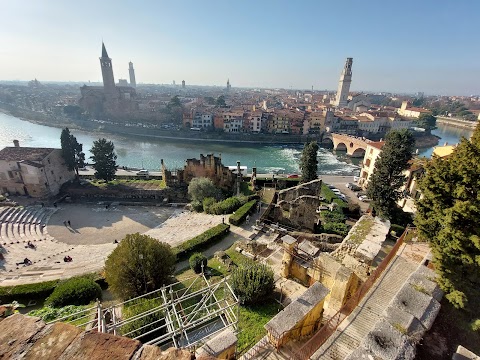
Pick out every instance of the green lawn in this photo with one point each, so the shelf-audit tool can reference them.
(251, 322)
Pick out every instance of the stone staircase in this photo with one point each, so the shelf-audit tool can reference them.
(353, 330)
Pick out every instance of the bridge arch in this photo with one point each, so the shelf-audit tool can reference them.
(341, 147)
(358, 153)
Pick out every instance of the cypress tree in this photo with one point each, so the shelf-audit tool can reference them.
(308, 162)
(384, 187)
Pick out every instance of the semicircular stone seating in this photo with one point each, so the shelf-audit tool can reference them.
(18, 226)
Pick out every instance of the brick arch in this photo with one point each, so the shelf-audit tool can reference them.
(359, 152)
(341, 147)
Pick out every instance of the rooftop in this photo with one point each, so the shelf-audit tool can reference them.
(24, 153)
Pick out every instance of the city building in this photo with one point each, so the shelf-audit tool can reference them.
(131, 72)
(37, 172)
(371, 153)
(109, 98)
(341, 100)
(410, 111)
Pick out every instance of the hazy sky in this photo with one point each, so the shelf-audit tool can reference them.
(404, 46)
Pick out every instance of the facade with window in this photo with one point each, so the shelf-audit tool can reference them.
(38, 172)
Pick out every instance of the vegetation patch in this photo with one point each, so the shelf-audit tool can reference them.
(196, 261)
(226, 206)
(27, 292)
(252, 321)
(361, 230)
(201, 241)
(401, 329)
(75, 291)
(140, 326)
(242, 213)
(252, 282)
(49, 313)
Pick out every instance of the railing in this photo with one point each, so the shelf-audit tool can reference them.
(319, 338)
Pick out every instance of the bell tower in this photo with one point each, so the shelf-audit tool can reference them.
(341, 99)
(107, 73)
(131, 71)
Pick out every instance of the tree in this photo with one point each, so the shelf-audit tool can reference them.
(196, 261)
(427, 121)
(72, 151)
(384, 187)
(139, 264)
(308, 162)
(201, 188)
(175, 109)
(447, 216)
(221, 101)
(252, 282)
(104, 158)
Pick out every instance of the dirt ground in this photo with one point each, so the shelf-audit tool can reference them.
(95, 224)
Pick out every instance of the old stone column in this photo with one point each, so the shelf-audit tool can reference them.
(289, 249)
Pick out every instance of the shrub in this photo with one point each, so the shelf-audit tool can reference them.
(201, 188)
(207, 203)
(138, 327)
(352, 210)
(196, 261)
(75, 291)
(241, 213)
(335, 228)
(333, 216)
(227, 206)
(252, 282)
(397, 228)
(139, 264)
(475, 325)
(49, 313)
(200, 241)
(197, 206)
(27, 291)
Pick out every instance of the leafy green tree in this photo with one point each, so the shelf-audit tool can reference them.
(427, 121)
(72, 151)
(201, 188)
(175, 109)
(252, 282)
(308, 162)
(196, 261)
(384, 187)
(221, 101)
(448, 216)
(139, 264)
(210, 100)
(104, 158)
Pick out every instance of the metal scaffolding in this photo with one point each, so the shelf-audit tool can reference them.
(184, 314)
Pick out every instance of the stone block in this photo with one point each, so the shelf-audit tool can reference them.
(220, 346)
(424, 307)
(421, 282)
(16, 331)
(52, 341)
(387, 343)
(98, 346)
(464, 354)
(151, 352)
(404, 321)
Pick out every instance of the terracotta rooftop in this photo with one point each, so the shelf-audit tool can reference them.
(24, 153)
(377, 144)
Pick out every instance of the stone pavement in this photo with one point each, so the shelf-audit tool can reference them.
(362, 320)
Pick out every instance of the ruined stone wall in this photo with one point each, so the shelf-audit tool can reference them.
(210, 167)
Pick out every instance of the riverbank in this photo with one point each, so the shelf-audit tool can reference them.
(459, 123)
(426, 141)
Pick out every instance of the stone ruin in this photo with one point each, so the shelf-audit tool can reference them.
(296, 206)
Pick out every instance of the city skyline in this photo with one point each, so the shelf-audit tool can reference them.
(267, 45)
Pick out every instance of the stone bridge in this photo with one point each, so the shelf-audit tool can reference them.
(355, 146)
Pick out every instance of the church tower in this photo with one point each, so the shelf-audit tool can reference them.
(131, 71)
(344, 85)
(228, 85)
(107, 73)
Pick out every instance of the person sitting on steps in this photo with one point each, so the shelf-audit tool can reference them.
(25, 262)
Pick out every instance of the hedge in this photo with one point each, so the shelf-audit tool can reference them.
(75, 291)
(226, 206)
(27, 291)
(241, 214)
(201, 241)
(397, 228)
(196, 261)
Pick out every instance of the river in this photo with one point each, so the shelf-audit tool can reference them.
(146, 153)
